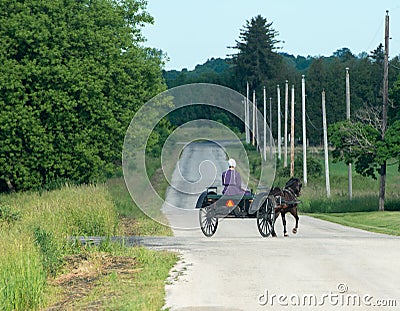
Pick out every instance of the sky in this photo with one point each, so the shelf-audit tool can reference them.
(191, 32)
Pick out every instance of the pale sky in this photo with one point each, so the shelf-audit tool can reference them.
(190, 32)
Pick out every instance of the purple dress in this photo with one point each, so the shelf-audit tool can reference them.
(232, 182)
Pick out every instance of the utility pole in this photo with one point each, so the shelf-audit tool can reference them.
(265, 124)
(327, 182)
(303, 108)
(279, 122)
(257, 132)
(292, 136)
(270, 129)
(382, 186)
(246, 115)
(349, 173)
(254, 118)
(286, 120)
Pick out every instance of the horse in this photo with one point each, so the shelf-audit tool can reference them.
(287, 202)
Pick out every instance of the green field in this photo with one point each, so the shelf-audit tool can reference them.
(380, 222)
(365, 189)
(362, 210)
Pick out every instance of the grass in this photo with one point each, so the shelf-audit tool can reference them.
(36, 249)
(365, 193)
(117, 278)
(133, 220)
(380, 222)
(34, 242)
(362, 210)
(365, 189)
(22, 276)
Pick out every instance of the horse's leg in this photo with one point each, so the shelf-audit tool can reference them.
(277, 212)
(283, 213)
(293, 211)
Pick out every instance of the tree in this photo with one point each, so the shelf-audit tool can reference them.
(343, 54)
(73, 74)
(360, 142)
(393, 132)
(394, 79)
(316, 82)
(377, 55)
(257, 60)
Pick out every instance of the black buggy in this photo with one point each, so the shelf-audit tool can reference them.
(213, 206)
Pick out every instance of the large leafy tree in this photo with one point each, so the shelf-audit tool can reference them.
(257, 60)
(361, 143)
(72, 75)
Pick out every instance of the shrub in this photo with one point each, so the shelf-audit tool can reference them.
(51, 254)
(314, 168)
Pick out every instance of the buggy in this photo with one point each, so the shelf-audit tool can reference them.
(213, 206)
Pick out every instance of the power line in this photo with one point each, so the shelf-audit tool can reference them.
(391, 65)
(376, 34)
(312, 124)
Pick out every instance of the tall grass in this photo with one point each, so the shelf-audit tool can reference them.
(35, 231)
(139, 222)
(22, 275)
(35, 242)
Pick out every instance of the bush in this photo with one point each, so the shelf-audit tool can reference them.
(52, 256)
(314, 168)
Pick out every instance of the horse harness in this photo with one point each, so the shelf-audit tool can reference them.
(286, 202)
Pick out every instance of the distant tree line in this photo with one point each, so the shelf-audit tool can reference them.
(259, 61)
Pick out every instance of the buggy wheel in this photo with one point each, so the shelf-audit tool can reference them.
(265, 216)
(208, 222)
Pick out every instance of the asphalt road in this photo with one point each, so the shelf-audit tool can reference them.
(333, 266)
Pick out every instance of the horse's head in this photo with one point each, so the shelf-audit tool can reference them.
(295, 185)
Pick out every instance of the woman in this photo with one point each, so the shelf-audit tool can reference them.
(232, 180)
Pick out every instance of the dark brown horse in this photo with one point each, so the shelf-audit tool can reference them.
(286, 199)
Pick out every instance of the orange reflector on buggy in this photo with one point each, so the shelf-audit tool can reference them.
(229, 203)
